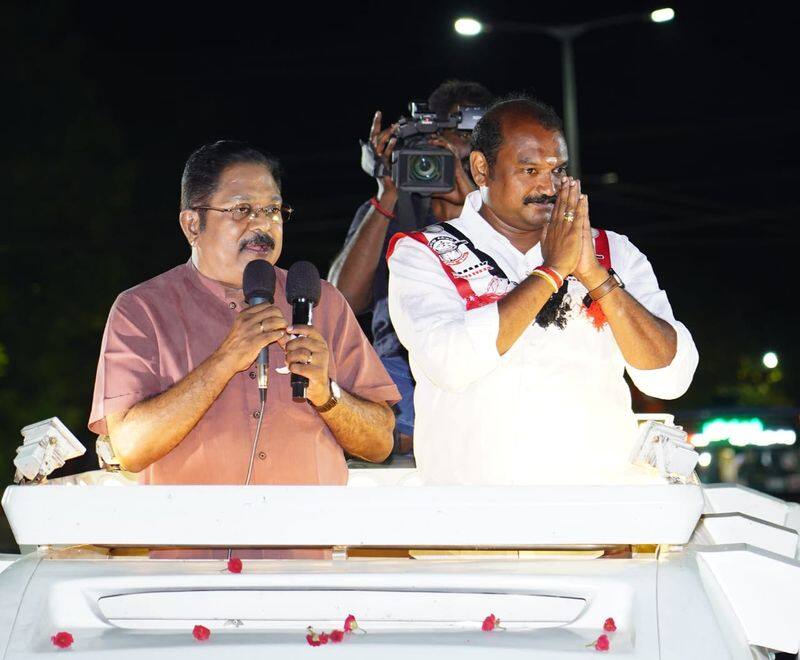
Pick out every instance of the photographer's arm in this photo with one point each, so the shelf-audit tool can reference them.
(354, 268)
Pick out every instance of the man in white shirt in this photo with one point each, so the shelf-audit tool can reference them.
(518, 333)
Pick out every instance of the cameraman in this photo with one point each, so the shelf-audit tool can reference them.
(360, 271)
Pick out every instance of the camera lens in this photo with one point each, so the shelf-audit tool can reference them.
(425, 168)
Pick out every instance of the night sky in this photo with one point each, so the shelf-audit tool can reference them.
(697, 118)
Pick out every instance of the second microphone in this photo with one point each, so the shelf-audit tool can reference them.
(303, 290)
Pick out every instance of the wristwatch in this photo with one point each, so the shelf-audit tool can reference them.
(336, 395)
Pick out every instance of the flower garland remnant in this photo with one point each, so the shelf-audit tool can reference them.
(201, 633)
(62, 640)
(315, 638)
(602, 643)
(490, 623)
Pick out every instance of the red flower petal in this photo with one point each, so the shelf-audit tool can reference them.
(489, 623)
(235, 565)
(350, 623)
(62, 640)
(609, 625)
(337, 636)
(324, 637)
(602, 643)
(313, 640)
(201, 633)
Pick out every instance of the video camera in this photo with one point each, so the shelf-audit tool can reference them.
(419, 167)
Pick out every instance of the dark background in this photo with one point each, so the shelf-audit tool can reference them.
(697, 118)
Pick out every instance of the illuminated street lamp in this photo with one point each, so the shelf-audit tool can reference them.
(566, 35)
(468, 27)
(662, 15)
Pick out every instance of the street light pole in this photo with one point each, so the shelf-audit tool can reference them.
(570, 92)
(566, 35)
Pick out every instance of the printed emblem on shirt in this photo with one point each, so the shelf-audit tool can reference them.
(449, 249)
(486, 280)
(478, 278)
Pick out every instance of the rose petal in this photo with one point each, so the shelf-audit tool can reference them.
(313, 640)
(201, 633)
(62, 640)
(602, 643)
(609, 625)
(350, 623)
(235, 565)
(489, 623)
(337, 636)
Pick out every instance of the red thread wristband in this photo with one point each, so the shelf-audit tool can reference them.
(552, 272)
(376, 205)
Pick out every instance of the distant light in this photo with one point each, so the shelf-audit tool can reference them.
(770, 360)
(609, 178)
(735, 430)
(468, 27)
(705, 459)
(741, 433)
(662, 15)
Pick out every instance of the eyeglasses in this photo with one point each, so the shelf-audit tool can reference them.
(275, 213)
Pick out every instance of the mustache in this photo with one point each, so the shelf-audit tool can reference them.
(539, 199)
(258, 239)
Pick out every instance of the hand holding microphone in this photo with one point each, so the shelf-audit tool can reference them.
(256, 326)
(307, 353)
(258, 285)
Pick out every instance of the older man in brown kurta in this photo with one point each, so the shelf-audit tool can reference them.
(162, 329)
(176, 387)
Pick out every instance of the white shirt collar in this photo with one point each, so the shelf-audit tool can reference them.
(476, 225)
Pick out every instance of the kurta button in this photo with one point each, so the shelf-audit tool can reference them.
(232, 305)
(252, 374)
(256, 414)
(262, 455)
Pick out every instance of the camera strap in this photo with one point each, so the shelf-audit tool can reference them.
(412, 211)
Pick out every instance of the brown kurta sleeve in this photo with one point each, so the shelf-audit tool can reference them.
(355, 365)
(128, 369)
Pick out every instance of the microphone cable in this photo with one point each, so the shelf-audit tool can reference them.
(262, 392)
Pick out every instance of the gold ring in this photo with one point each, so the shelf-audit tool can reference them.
(569, 216)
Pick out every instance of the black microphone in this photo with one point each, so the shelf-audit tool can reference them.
(258, 284)
(303, 291)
